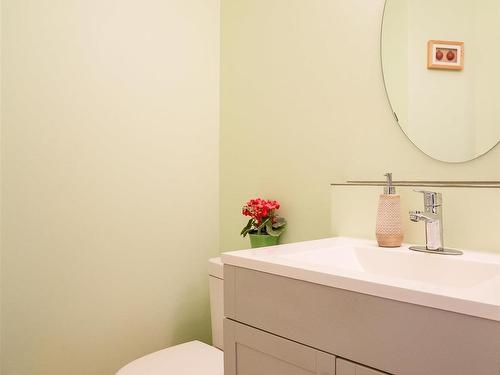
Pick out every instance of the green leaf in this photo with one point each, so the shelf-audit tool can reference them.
(247, 228)
(275, 232)
(244, 234)
(264, 224)
(280, 222)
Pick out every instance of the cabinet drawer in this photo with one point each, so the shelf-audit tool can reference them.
(345, 367)
(249, 351)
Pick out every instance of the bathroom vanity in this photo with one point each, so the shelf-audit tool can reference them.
(346, 307)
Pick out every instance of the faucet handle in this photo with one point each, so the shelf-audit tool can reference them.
(431, 198)
(414, 215)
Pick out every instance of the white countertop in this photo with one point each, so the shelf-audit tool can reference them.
(467, 284)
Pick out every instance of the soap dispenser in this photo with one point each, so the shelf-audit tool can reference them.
(389, 230)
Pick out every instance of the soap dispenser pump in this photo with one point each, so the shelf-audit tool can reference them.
(389, 229)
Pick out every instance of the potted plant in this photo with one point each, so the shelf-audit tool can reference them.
(265, 226)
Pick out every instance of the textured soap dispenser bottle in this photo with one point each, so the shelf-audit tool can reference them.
(389, 230)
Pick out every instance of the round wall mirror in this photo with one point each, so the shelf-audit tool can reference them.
(441, 67)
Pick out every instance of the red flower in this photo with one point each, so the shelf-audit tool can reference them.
(260, 209)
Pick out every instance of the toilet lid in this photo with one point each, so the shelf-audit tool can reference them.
(190, 358)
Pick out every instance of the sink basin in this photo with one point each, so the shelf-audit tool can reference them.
(467, 284)
(427, 268)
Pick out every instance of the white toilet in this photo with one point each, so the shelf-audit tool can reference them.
(194, 357)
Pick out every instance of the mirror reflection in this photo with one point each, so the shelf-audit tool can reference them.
(441, 66)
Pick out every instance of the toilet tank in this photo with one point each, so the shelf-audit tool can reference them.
(216, 286)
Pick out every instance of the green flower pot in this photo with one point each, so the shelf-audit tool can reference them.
(262, 240)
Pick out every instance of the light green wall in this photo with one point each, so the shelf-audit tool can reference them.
(110, 180)
(1, 197)
(303, 104)
(487, 19)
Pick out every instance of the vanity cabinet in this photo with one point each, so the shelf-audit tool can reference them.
(281, 325)
(249, 351)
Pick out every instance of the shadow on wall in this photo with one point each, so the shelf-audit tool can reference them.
(191, 322)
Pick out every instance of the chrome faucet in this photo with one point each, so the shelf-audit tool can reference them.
(433, 218)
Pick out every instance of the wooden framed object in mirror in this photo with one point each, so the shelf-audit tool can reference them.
(442, 54)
